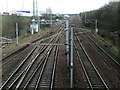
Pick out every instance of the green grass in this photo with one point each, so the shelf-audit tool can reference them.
(111, 47)
(105, 41)
(9, 23)
(23, 40)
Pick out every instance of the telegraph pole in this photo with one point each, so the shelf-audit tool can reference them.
(67, 41)
(96, 29)
(16, 33)
(71, 75)
(85, 18)
(51, 16)
(38, 19)
(81, 17)
(33, 9)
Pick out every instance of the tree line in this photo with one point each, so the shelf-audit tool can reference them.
(108, 17)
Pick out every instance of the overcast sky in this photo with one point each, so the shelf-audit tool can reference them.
(57, 6)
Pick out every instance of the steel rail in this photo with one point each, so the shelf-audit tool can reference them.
(43, 67)
(21, 65)
(16, 51)
(92, 64)
(105, 60)
(12, 58)
(85, 72)
(30, 67)
(38, 66)
(108, 63)
(18, 68)
(102, 49)
(54, 68)
(21, 48)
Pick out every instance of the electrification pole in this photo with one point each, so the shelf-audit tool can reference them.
(16, 33)
(33, 9)
(81, 17)
(38, 19)
(71, 75)
(96, 29)
(85, 18)
(67, 41)
(51, 16)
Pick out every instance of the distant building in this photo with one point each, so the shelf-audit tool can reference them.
(6, 13)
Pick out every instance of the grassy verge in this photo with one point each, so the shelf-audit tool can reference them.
(113, 48)
(22, 41)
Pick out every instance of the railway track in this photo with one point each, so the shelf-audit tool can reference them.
(33, 77)
(108, 67)
(109, 60)
(38, 69)
(28, 65)
(46, 78)
(29, 61)
(13, 59)
(16, 53)
(93, 77)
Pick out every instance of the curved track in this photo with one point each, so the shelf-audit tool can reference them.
(36, 59)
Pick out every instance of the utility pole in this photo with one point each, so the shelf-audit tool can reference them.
(81, 17)
(33, 20)
(39, 30)
(96, 29)
(85, 18)
(51, 16)
(38, 19)
(36, 9)
(71, 75)
(16, 33)
(67, 41)
(33, 9)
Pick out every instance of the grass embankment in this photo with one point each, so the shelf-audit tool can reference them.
(108, 43)
(114, 49)
(9, 30)
(22, 41)
(105, 41)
